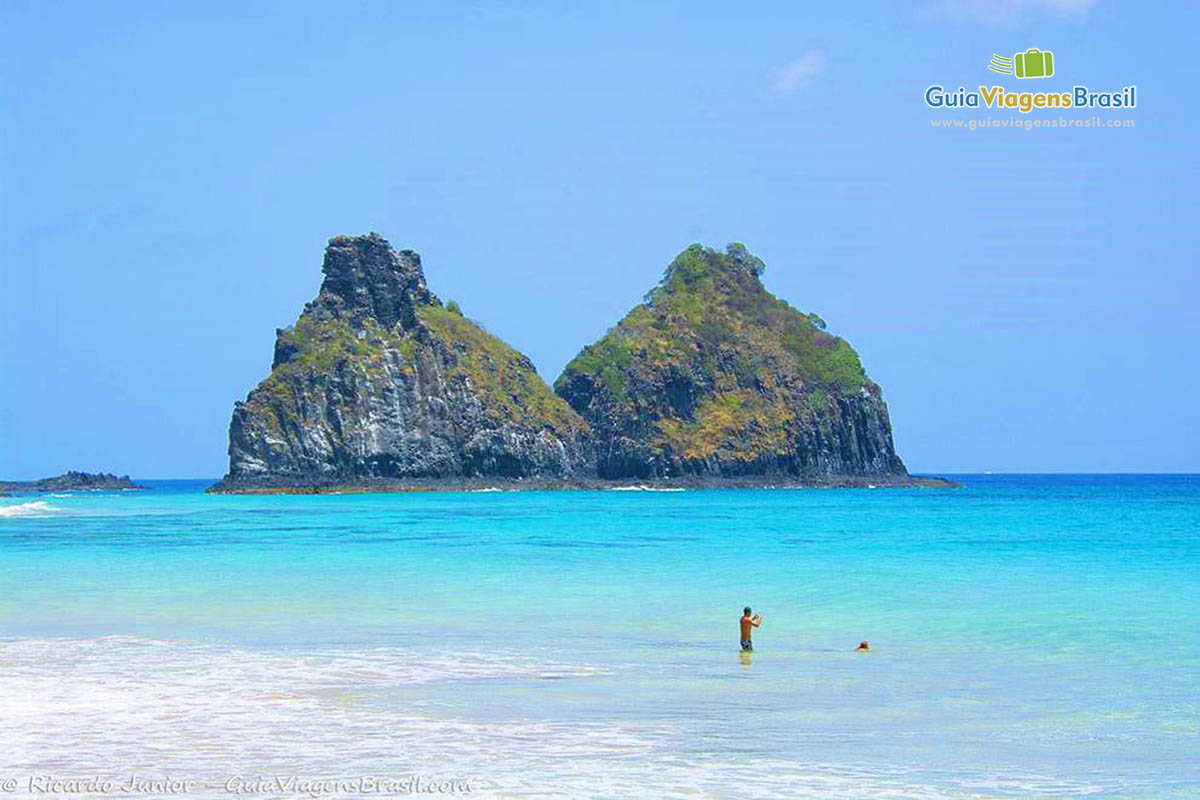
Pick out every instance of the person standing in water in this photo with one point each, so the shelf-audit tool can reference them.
(749, 621)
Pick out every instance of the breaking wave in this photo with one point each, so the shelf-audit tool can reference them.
(647, 489)
(37, 508)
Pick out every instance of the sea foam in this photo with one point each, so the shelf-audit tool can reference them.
(205, 712)
(37, 508)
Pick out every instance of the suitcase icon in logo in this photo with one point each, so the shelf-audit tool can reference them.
(1034, 63)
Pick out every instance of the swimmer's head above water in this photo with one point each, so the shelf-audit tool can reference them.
(863, 647)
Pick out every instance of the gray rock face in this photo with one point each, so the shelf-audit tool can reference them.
(365, 277)
(377, 384)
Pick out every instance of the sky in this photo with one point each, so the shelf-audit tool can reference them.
(170, 173)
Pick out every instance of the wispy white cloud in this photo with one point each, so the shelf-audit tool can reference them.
(1006, 12)
(789, 78)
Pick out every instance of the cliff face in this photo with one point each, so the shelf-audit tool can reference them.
(377, 382)
(714, 376)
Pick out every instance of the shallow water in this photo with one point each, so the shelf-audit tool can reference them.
(1030, 635)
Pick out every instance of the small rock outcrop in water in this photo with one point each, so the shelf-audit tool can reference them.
(74, 481)
(714, 376)
(379, 384)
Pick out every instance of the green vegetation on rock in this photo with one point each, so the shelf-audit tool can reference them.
(713, 373)
(505, 378)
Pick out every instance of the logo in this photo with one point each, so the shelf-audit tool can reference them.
(1033, 63)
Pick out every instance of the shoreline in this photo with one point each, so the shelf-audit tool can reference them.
(225, 486)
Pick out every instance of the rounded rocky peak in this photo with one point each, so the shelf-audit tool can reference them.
(735, 269)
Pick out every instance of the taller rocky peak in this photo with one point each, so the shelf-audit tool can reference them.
(377, 384)
(365, 276)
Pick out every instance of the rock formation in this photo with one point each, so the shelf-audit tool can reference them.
(379, 384)
(74, 481)
(711, 381)
(714, 376)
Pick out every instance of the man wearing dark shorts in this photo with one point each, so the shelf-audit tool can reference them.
(749, 621)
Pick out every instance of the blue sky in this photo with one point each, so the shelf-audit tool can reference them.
(169, 174)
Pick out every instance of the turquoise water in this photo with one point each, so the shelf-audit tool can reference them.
(1030, 636)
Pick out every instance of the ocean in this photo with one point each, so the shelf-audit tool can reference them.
(1030, 636)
